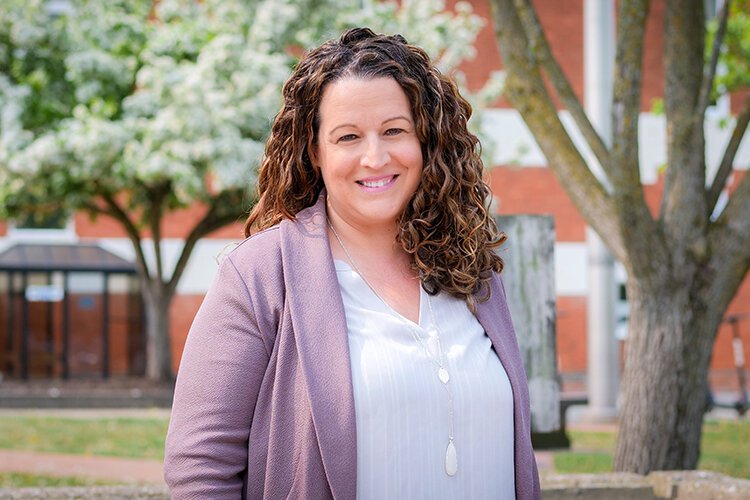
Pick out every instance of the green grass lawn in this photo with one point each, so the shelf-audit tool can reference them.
(16, 480)
(724, 445)
(724, 449)
(119, 437)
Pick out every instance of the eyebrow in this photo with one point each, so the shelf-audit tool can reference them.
(394, 118)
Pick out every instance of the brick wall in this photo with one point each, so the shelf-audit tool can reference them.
(537, 191)
(181, 314)
(519, 190)
(562, 21)
(176, 224)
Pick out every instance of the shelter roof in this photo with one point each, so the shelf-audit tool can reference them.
(59, 257)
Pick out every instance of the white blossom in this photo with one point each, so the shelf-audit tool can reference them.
(199, 85)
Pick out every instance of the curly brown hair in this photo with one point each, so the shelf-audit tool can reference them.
(446, 226)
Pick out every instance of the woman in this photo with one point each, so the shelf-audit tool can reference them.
(358, 343)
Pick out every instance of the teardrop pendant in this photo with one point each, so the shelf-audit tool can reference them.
(451, 459)
(443, 375)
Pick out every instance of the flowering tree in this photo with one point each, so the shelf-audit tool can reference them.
(685, 262)
(131, 109)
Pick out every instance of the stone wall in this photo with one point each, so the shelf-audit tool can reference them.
(681, 485)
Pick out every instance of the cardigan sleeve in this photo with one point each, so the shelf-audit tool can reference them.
(527, 472)
(223, 363)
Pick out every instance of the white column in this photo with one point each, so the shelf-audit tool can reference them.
(603, 364)
(603, 359)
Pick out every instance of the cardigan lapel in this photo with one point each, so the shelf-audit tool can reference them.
(494, 316)
(319, 325)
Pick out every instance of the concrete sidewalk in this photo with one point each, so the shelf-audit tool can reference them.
(149, 472)
(87, 413)
(95, 467)
(122, 470)
(109, 469)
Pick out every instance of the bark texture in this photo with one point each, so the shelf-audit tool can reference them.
(683, 266)
(158, 346)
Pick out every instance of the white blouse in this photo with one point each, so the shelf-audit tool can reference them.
(402, 407)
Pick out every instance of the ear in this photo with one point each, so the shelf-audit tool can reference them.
(312, 153)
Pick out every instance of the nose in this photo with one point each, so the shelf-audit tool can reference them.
(375, 154)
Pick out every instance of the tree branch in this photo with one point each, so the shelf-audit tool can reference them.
(626, 107)
(116, 211)
(729, 238)
(96, 209)
(525, 89)
(636, 224)
(213, 219)
(541, 50)
(683, 210)
(727, 161)
(195, 234)
(710, 71)
(156, 198)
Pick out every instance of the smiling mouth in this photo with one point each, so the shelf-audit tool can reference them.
(377, 183)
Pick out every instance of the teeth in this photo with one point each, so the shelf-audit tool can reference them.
(376, 184)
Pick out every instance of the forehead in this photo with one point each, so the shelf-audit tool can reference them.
(354, 97)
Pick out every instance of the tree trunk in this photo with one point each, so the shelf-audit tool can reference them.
(683, 267)
(665, 386)
(158, 346)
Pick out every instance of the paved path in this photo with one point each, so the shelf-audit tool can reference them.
(120, 469)
(87, 413)
(115, 469)
(150, 471)
(85, 466)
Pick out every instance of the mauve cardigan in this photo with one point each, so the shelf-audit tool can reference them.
(263, 405)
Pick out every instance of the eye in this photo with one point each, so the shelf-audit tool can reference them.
(347, 138)
(394, 131)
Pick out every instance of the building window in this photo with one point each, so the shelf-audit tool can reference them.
(55, 221)
(57, 227)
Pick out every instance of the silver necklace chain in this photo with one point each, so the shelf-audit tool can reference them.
(451, 461)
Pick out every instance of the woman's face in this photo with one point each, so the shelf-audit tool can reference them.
(368, 151)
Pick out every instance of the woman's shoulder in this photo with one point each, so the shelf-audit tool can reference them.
(496, 287)
(262, 251)
(256, 262)
(256, 259)
(258, 247)
(261, 254)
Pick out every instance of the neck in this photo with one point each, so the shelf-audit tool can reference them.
(379, 240)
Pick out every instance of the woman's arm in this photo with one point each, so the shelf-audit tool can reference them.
(217, 387)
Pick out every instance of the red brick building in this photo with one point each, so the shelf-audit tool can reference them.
(521, 182)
